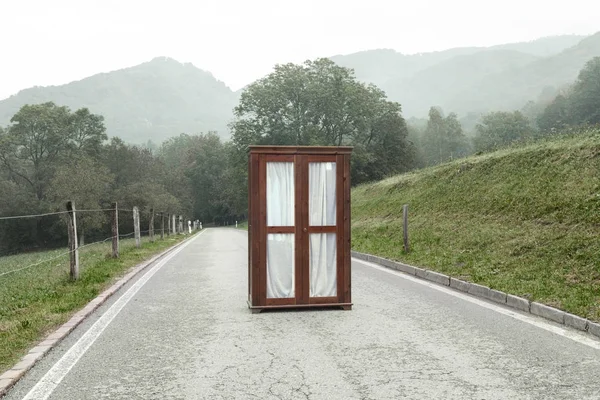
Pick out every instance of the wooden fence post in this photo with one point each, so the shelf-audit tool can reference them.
(136, 226)
(115, 231)
(162, 225)
(151, 230)
(73, 248)
(405, 227)
(168, 224)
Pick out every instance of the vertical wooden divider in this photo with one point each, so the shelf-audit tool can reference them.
(115, 230)
(339, 222)
(151, 225)
(73, 247)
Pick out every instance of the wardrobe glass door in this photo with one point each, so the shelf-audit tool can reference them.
(322, 218)
(280, 230)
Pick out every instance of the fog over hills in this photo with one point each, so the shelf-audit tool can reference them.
(163, 97)
(474, 79)
(150, 101)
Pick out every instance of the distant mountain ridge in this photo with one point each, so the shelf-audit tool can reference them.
(151, 101)
(472, 79)
(162, 98)
(446, 83)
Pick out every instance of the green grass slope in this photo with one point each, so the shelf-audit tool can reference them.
(524, 220)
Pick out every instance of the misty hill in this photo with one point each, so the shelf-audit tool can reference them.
(511, 89)
(163, 98)
(381, 66)
(474, 79)
(151, 101)
(446, 83)
(543, 47)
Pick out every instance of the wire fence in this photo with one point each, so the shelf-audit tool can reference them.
(102, 247)
(33, 245)
(36, 257)
(38, 290)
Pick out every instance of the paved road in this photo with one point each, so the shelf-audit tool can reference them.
(187, 334)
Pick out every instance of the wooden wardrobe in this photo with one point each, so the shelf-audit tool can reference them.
(299, 227)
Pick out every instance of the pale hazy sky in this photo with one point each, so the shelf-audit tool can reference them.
(54, 42)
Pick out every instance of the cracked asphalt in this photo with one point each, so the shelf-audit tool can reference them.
(188, 334)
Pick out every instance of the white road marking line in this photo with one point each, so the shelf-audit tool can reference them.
(532, 320)
(44, 388)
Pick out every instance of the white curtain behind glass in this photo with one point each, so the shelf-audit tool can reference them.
(280, 265)
(323, 262)
(323, 247)
(280, 194)
(280, 247)
(322, 182)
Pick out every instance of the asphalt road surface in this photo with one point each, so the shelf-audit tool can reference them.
(182, 330)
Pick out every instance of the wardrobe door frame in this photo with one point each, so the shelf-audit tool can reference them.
(258, 229)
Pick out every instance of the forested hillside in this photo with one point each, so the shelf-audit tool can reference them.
(162, 98)
(51, 154)
(151, 101)
(475, 80)
(512, 89)
(48, 147)
(543, 47)
(447, 83)
(380, 66)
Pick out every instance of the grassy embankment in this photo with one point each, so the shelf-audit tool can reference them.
(35, 301)
(525, 221)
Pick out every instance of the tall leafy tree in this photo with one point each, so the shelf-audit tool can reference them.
(34, 145)
(206, 171)
(130, 164)
(41, 137)
(87, 132)
(176, 156)
(235, 182)
(321, 103)
(385, 151)
(556, 116)
(144, 180)
(498, 129)
(50, 154)
(585, 99)
(457, 143)
(43, 141)
(443, 138)
(86, 182)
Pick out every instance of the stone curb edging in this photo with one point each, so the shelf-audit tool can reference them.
(9, 378)
(485, 292)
